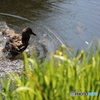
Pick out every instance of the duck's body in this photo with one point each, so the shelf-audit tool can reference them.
(17, 43)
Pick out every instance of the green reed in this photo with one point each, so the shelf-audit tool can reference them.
(54, 79)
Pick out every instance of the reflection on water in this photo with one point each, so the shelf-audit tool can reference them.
(74, 22)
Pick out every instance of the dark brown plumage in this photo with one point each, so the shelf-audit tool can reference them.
(17, 43)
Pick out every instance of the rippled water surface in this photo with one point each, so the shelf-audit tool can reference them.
(73, 22)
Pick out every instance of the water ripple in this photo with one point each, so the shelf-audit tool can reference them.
(14, 16)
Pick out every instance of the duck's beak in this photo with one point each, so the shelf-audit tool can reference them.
(34, 34)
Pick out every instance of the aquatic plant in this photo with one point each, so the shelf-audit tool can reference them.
(54, 79)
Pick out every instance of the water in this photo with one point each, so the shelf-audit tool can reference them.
(75, 23)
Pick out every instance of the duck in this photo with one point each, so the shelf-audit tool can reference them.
(16, 43)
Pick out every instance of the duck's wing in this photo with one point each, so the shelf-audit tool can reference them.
(16, 38)
(18, 48)
(16, 43)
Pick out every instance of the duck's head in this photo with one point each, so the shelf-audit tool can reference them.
(28, 31)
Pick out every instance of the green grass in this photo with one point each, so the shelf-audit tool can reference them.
(54, 79)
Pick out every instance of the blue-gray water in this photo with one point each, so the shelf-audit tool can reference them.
(74, 22)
